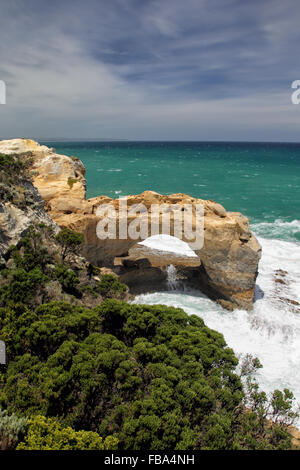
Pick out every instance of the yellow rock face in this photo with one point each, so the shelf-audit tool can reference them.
(21, 146)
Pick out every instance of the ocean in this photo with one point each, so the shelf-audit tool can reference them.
(261, 180)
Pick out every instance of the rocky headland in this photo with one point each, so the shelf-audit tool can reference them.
(226, 267)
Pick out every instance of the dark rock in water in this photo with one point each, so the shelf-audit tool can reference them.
(282, 290)
(280, 276)
(281, 272)
(280, 281)
(289, 301)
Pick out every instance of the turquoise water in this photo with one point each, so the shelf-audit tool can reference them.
(258, 179)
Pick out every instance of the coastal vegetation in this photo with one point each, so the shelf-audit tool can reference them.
(88, 370)
(69, 241)
(71, 182)
(119, 375)
(14, 172)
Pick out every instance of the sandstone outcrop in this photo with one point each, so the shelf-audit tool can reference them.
(15, 221)
(21, 204)
(228, 259)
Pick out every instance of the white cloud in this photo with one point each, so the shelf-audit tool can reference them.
(60, 83)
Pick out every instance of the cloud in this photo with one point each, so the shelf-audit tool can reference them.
(207, 69)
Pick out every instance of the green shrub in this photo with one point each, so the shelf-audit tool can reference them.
(30, 252)
(70, 241)
(22, 285)
(11, 164)
(152, 376)
(71, 182)
(12, 429)
(90, 290)
(109, 286)
(68, 279)
(47, 434)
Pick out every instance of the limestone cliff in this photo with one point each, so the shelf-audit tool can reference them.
(228, 260)
(21, 204)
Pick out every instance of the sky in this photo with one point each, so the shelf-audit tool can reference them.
(150, 70)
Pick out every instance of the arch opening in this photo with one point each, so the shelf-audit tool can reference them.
(163, 250)
(160, 262)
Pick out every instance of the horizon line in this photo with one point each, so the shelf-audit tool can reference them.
(99, 139)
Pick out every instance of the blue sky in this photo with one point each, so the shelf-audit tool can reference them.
(135, 69)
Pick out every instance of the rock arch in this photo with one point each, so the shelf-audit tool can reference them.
(229, 256)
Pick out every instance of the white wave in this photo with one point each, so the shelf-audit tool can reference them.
(170, 244)
(271, 331)
(279, 229)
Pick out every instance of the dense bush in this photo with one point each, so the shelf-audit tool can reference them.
(12, 429)
(47, 434)
(22, 286)
(36, 262)
(70, 241)
(27, 275)
(31, 253)
(110, 287)
(152, 376)
(68, 279)
(11, 164)
(14, 176)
